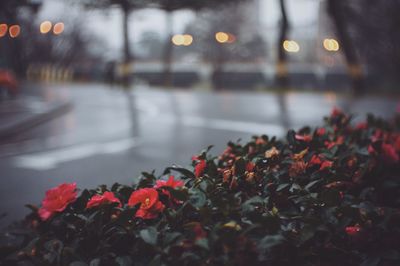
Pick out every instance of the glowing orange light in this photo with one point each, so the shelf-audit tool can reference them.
(14, 31)
(291, 46)
(187, 39)
(331, 45)
(3, 30)
(45, 27)
(58, 28)
(231, 38)
(221, 37)
(178, 39)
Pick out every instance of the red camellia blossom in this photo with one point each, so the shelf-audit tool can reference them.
(169, 183)
(353, 230)
(321, 131)
(199, 168)
(336, 112)
(306, 138)
(106, 198)
(389, 153)
(250, 166)
(315, 159)
(361, 126)
(57, 199)
(326, 164)
(199, 232)
(397, 143)
(150, 206)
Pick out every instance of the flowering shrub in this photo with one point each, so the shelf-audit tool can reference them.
(324, 196)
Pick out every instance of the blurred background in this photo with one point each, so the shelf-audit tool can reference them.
(97, 91)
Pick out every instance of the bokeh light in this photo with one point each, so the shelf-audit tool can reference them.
(331, 45)
(3, 30)
(45, 27)
(178, 39)
(231, 38)
(222, 37)
(14, 31)
(58, 28)
(291, 46)
(187, 39)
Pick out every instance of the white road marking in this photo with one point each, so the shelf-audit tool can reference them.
(232, 125)
(49, 160)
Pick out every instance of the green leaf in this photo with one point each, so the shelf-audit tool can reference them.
(78, 263)
(310, 185)
(373, 261)
(203, 243)
(171, 237)
(185, 172)
(149, 235)
(124, 261)
(197, 198)
(156, 261)
(270, 241)
(282, 187)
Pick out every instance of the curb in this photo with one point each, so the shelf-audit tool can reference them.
(34, 120)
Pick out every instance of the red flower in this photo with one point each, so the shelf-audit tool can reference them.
(361, 126)
(57, 199)
(199, 231)
(250, 166)
(336, 112)
(297, 168)
(306, 138)
(106, 198)
(170, 183)
(371, 150)
(353, 230)
(330, 144)
(199, 168)
(326, 164)
(315, 159)
(321, 131)
(389, 153)
(397, 143)
(150, 205)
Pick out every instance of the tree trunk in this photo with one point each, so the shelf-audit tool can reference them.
(353, 65)
(167, 75)
(281, 66)
(126, 73)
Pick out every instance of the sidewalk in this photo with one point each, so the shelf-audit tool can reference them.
(28, 110)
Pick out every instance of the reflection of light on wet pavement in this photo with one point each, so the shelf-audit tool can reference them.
(330, 97)
(48, 160)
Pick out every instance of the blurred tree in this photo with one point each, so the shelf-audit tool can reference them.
(10, 49)
(341, 16)
(127, 7)
(240, 45)
(373, 26)
(169, 6)
(281, 75)
(150, 45)
(73, 48)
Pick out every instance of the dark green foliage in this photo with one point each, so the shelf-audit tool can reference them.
(329, 196)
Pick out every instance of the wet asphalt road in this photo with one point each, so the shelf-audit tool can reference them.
(93, 143)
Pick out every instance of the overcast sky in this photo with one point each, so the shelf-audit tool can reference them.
(107, 26)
